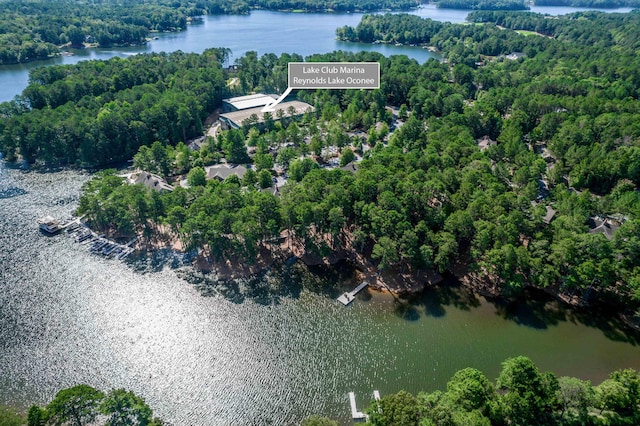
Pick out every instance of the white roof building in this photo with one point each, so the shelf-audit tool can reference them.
(240, 103)
(236, 119)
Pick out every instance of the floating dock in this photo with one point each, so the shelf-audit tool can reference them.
(350, 296)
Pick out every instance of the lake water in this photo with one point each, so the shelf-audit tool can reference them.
(268, 353)
(261, 31)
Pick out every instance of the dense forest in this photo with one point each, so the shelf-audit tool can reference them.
(335, 5)
(601, 4)
(523, 171)
(34, 30)
(595, 29)
(37, 29)
(483, 4)
(521, 395)
(95, 113)
(460, 43)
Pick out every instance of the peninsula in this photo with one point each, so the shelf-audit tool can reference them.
(512, 164)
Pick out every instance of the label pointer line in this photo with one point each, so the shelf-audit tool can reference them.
(269, 107)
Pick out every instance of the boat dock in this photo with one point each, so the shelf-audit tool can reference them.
(350, 296)
(376, 398)
(359, 415)
(98, 243)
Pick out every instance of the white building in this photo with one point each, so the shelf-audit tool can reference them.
(240, 103)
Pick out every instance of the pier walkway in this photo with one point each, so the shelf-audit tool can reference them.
(350, 296)
(359, 415)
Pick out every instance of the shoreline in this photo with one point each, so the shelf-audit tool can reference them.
(150, 35)
(400, 280)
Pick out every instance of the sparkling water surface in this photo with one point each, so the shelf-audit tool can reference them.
(266, 353)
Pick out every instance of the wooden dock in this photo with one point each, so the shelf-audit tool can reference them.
(350, 296)
(73, 224)
(376, 398)
(357, 415)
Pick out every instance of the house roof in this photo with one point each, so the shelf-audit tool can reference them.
(548, 217)
(547, 155)
(273, 190)
(150, 180)
(515, 55)
(223, 171)
(602, 226)
(485, 142)
(236, 118)
(350, 167)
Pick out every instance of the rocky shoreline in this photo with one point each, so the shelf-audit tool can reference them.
(401, 281)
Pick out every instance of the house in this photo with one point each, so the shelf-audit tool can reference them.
(548, 156)
(543, 189)
(605, 226)
(223, 171)
(549, 215)
(150, 180)
(273, 190)
(485, 142)
(350, 167)
(514, 56)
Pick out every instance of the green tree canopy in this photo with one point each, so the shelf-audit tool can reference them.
(124, 408)
(77, 405)
(318, 421)
(197, 177)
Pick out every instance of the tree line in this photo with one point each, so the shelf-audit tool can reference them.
(460, 43)
(483, 4)
(521, 395)
(600, 4)
(337, 6)
(591, 29)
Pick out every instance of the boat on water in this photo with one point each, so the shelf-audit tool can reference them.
(50, 225)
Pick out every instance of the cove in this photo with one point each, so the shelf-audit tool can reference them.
(204, 352)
